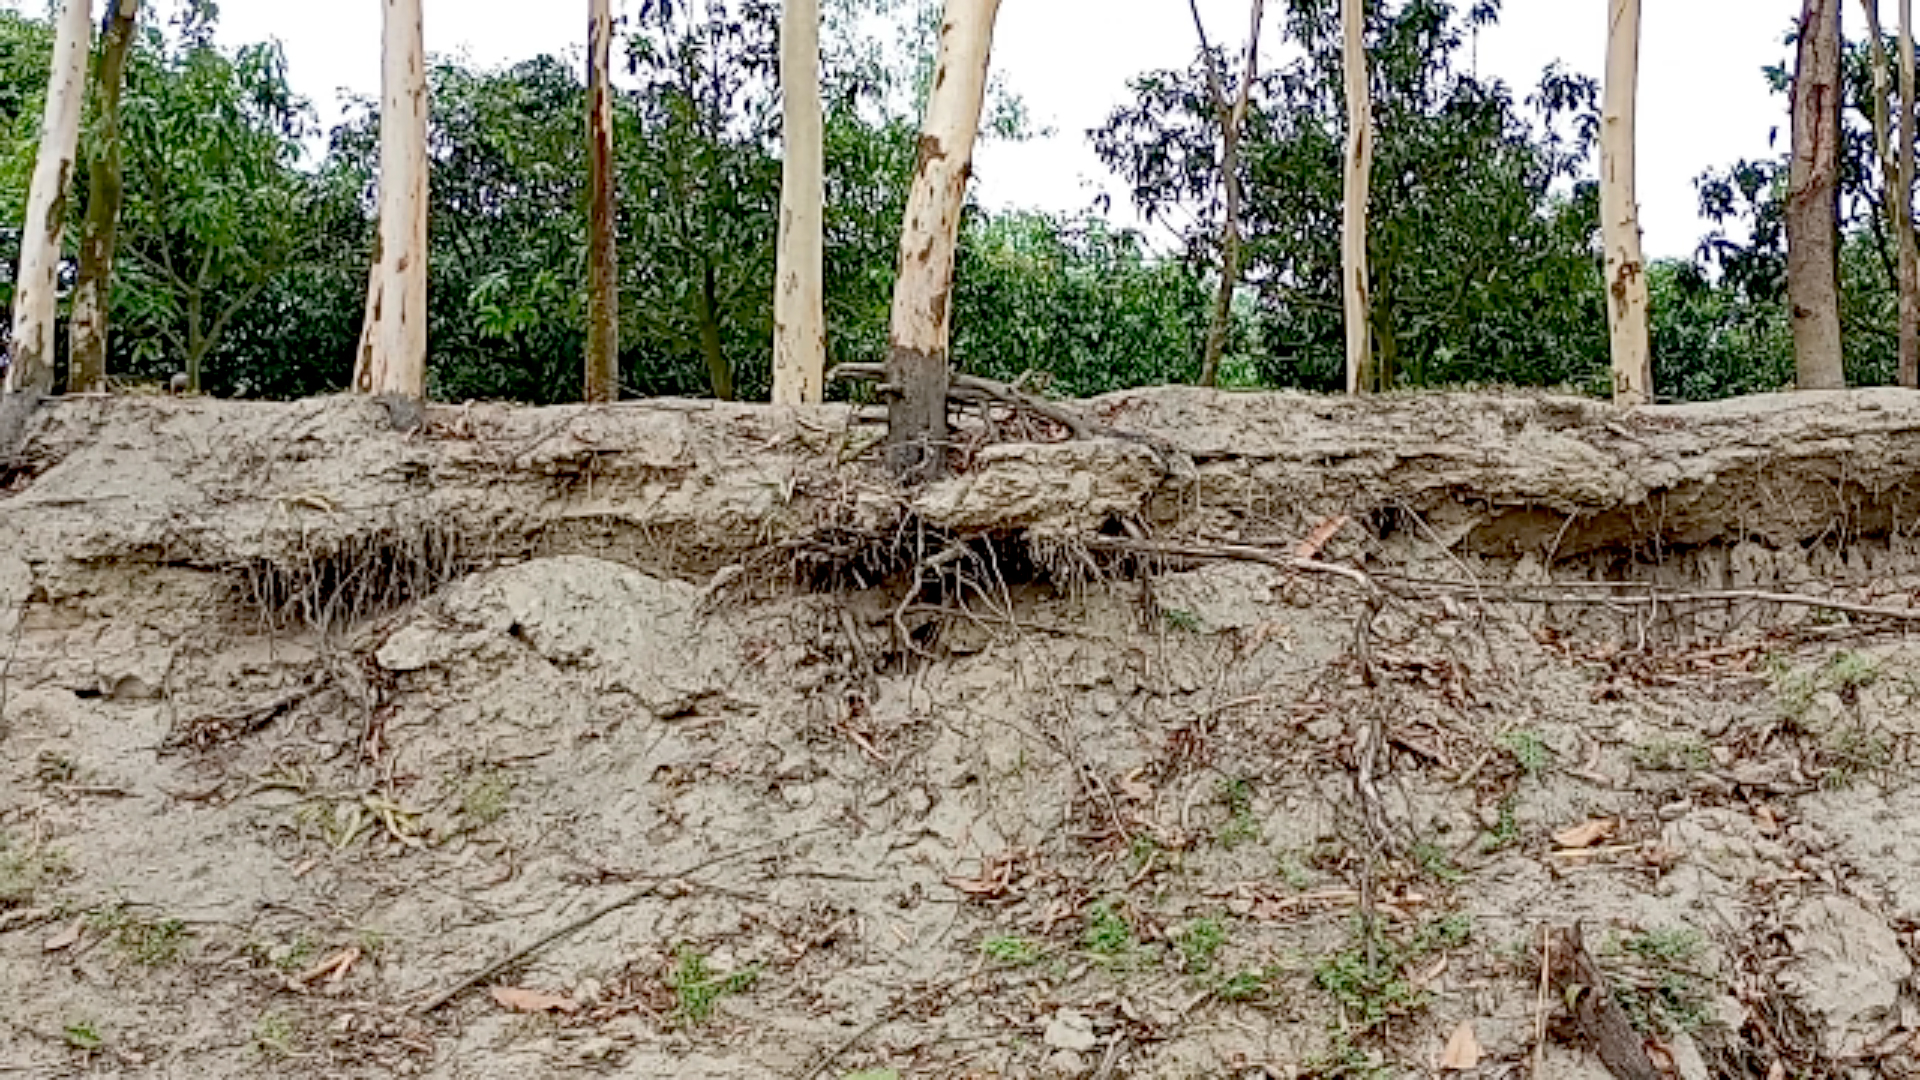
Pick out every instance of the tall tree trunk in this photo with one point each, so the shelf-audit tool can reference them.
(1813, 201)
(603, 265)
(1232, 116)
(92, 293)
(1620, 210)
(923, 292)
(799, 300)
(394, 359)
(1363, 375)
(707, 303)
(1899, 206)
(36, 295)
(1909, 245)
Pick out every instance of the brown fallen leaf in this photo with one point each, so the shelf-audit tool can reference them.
(67, 938)
(1463, 1050)
(1320, 537)
(1769, 822)
(1587, 835)
(533, 1001)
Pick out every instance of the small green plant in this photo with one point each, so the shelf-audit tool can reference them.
(138, 940)
(289, 956)
(1506, 830)
(1293, 871)
(1851, 752)
(24, 871)
(1184, 621)
(51, 768)
(1141, 851)
(1672, 755)
(1344, 1060)
(1241, 826)
(697, 989)
(1013, 951)
(1108, 935)
(1246, 985)
(1368, 977)
(484, 799)
(1200, 941)
(1529, 751)
(1849, 670)
(273, 1035)
(1670, 998)
(84, 1036)
(1437, 863)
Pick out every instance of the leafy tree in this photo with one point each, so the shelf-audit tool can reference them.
(1483, 218)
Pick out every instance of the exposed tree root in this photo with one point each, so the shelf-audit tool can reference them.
(1602, 1021)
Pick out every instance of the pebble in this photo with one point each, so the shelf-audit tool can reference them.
(1071, 1031)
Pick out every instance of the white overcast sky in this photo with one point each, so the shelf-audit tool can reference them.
(1703, 100)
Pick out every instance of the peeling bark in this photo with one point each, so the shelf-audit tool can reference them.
(92, 293)
(393, 358)
(36, 295)
(799, 302)
(917, 360)
(1627, 299)
(603, 265)
(1363, 374)
(1813, 201)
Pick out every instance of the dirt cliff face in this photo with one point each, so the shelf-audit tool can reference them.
(1272, 744)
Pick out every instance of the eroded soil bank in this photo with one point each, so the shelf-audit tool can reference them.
(1069, 766)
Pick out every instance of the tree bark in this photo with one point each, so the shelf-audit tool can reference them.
(603, 265)
(1620, 210)
(1903, 197)
(1813, 201)
(36, 296)
(393, 360)
(1232, 116)
(92, 293)
(707, 302)
(1363, 375)
(799, 301)
(922, 297)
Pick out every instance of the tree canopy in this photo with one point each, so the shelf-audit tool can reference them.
(247, 230)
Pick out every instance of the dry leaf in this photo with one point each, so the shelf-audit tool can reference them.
(67, 938)
(1463, 1050)
(532, 1001)
(1769, 821)
(1320, 537)
(1587, 835)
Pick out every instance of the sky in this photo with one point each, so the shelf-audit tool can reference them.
(1703, 100)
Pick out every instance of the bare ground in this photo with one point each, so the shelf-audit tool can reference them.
(1065, 768)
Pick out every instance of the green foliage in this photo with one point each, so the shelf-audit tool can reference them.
(1506, 830)
(1528, 751)
(1241, 826)
(138, 939)
(84, 1036)
(1437, 863)
(1670, 998)
(1481, 255)
(1368, 977)
(1108, 934)
(1012, 951)
(697, 989)
(1200, 941)
(26, 869)
(1669, 754)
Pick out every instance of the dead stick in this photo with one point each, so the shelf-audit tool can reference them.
(597, 914)
(1602, 1020)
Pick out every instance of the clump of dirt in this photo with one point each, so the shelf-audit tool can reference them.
(670, 739)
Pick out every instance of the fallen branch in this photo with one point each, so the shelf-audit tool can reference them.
(1601, 1019)
(1231, 553)
(596, 915)
(975, 390)
(1633, 594)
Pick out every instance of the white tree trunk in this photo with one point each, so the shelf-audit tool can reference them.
(1363, 375)
(603, 261)
(923, 292)
(1909, 247)
(36, 291)
(393, 359)
(1620, 211)
(799, 301)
